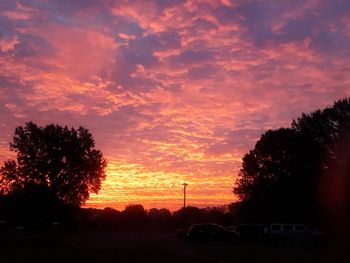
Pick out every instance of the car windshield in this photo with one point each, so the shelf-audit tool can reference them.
(288, 227)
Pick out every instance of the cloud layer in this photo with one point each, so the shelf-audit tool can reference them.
(173, 91)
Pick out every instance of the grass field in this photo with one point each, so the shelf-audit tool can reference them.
(35, 246)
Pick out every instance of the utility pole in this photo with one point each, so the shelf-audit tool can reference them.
(185, 185)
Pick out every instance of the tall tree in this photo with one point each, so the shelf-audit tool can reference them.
(61, 159)
(282, 174)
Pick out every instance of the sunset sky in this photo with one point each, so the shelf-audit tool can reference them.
(172, 91)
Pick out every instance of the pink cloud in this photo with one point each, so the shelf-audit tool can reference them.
(7, 45)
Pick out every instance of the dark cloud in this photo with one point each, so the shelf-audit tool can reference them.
(33, 46)
(203, 72)
(203, 25)
(228, 15)
(297, 30)
(331, 44)
(156, 42)
(193, 57)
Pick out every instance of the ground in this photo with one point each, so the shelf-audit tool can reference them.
(35, 246)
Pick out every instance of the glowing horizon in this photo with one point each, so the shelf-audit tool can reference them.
(172, 91)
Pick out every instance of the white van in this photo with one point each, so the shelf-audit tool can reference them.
(277, 229)
(295, 233)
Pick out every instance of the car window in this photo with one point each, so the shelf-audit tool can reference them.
(215, 228)
(276, 227)
(288, 227)
(300, 228)
(194, 229)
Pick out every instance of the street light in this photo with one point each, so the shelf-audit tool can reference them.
(185, 185)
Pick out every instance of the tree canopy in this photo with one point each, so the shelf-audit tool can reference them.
(283, 174)
(61, 159)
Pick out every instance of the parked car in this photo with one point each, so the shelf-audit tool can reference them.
(290, 234)
(249, 232)
(3, 224)
(210, 233)
(182, 232)
(231, 228)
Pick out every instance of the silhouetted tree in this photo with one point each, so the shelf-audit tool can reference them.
(214, 215)
(159, 215)
(135, 215)
(280, 177)
(111, 217)
(97, 218)
(188, 216)
(35, 205)
(234, 214)
(63, 161)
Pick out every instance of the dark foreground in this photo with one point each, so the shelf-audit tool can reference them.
(34, 246)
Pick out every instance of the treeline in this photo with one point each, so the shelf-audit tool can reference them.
(133, 218)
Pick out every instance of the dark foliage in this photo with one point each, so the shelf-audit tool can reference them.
(194, 215)
(159, 217)
(60, 160)
(135, 215)
(34, 205)
(134, 218)
(281, 177)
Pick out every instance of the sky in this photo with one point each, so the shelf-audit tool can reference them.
(172, 91)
